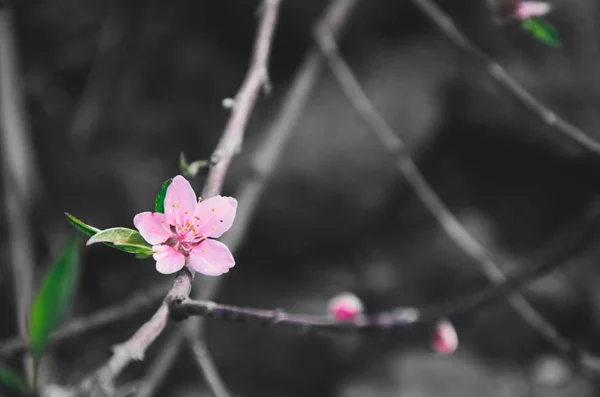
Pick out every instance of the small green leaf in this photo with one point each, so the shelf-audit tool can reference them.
(82, 227)
(135, 245)
(127, 240)
(192, 169)
(12, 382)
(53, 298)
(159, 203)
(542, 30)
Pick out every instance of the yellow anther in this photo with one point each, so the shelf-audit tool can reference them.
(212, 228)
(213, 210)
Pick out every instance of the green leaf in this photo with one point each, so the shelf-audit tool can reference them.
(127, 240)
(192, 169)
(159, 203)
(542, 30)
(134, 245)
(53, 298)
(10, 381)
(82, 227)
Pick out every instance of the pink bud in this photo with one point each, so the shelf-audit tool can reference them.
(444, 340)
(345, 307)
(529, 9)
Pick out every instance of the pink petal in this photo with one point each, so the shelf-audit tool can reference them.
(180, 201)
(211, 258)
(528, 9)
(150, 225)
(168, 260)
(215, 215)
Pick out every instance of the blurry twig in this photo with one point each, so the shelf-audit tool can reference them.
(451, 225)
(112, 314)
(160, 367)
(103, 70)
(208, 368)
(449, 28)
(19, 174)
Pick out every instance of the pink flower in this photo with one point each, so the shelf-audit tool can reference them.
(529, 9)
(444, 340)
(345, 307)
(184, 233)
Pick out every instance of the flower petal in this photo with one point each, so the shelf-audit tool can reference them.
(168, 260)
(214, 216)
(211, 258)
(150, 225)
(180, 201)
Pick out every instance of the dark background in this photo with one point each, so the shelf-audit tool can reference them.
(148, 78)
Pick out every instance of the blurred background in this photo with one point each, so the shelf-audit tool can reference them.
(114, 90)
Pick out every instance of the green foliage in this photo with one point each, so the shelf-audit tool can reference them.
(82, 227)
(159, 203)
(542, 30)
(12, 383)
(125, 239)
(128, 240)
(192, 169)
(53, 298)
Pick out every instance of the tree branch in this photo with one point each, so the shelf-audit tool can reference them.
(135, 348)
(449, 28)
(231, 141)
(451, 225)
(567, 243)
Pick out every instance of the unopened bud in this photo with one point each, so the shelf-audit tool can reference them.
(444, 340)
(345, 307)
(228, 103)
(529, 9)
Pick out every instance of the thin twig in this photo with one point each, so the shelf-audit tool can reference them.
(451, 225)
(19, 175)
(231, 141)
(78, 326)
(567, 243)
(449, 28)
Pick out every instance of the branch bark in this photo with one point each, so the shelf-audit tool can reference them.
(567, 243)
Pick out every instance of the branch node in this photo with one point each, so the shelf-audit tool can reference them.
(177, 310)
